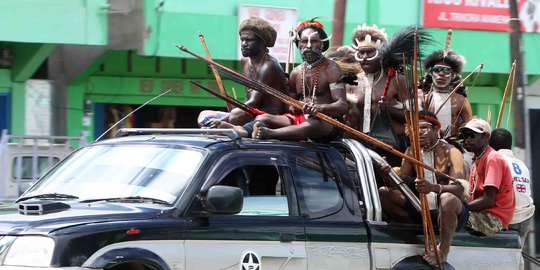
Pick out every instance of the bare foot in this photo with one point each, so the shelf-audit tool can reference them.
(431, 258)
(213, 123)
(242, 131)
(259, 132)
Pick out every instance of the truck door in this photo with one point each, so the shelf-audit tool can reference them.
(266, 234)
(336, 235)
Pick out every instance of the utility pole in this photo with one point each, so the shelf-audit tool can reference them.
(519, 93)
(338, 23)
(520, 113)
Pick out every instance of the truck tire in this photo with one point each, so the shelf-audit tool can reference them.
(417, 263)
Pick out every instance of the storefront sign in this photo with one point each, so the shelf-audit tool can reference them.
(283, 20)
(480, 14)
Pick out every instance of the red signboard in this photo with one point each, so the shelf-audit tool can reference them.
(480, 14)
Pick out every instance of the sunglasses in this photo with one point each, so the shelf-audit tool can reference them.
(467, 135)
(438, 68)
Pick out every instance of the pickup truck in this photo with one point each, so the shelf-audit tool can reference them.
(209, 199)
(22, 164)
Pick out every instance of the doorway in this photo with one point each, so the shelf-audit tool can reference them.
(4, 111)
(150, 116)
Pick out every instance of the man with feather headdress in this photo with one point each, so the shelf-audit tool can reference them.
(381, 86)
(443, 75)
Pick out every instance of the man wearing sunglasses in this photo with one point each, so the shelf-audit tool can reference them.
(452, 108)
(491, 199)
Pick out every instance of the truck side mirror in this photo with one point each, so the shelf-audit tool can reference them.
(224, 200)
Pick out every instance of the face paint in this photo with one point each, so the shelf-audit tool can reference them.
(309, 39)
(310, 46)
(442, 75)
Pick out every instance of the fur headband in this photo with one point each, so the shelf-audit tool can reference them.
(261, 28)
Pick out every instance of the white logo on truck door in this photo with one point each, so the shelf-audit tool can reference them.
(250, 261)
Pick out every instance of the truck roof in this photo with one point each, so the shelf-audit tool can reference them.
(213, 141)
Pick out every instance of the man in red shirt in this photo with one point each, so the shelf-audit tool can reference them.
(491, 195)
(492, 201)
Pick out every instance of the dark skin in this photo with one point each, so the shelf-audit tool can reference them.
(477, 145)
(460, 106)
(267, 71)
(448, 160)
(373, 66)
(260, 66)
(451, 206)
(330, 102)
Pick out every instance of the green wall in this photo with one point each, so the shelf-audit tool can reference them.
(32, 28)
(5, 80)
(178, 23)
(54, 21)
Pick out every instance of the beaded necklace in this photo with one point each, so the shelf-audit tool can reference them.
(314, 83)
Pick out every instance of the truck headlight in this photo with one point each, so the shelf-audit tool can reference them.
(34, 251)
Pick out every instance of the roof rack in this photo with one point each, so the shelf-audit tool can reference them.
(231, 133)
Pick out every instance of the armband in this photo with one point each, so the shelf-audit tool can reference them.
(338, 85)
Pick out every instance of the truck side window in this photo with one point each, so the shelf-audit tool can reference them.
(261, 188)
(315, 181)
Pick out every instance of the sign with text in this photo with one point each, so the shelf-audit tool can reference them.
(282, 19)
(480, 14)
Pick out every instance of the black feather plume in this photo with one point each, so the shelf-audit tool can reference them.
(400, 48)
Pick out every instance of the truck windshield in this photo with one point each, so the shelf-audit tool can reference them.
(108, 171)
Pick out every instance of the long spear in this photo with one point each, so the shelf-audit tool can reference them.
(248, 109)
(289, 49)
(429, 233)
(511, 97)
(462, 105)
(503, 102)
(216, 74)
(258, 86)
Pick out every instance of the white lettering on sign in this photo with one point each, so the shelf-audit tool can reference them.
(446, 2)
(473, 18)
(487, 3)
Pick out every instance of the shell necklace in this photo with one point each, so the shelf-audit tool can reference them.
(314, 82)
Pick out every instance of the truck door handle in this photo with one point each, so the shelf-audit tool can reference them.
(286, 237)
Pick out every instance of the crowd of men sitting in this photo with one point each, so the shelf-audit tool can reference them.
(362, 86)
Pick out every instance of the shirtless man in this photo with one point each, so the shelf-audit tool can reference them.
(443, 75)
(256, 35)
(315, 82)
(368, 41)
(350, 67)
(438, 154)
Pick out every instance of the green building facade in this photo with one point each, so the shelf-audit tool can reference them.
(122, 52)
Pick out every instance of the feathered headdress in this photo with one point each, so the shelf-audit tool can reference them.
(400, 48)
(452, 58)
(368, 36)
(315, 25)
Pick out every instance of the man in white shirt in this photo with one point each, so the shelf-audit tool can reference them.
(501, 140)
